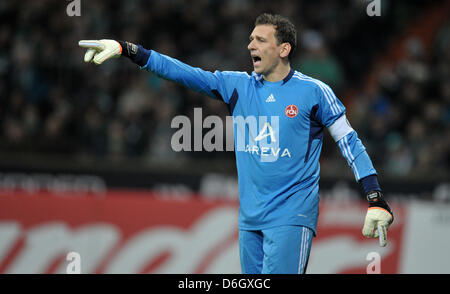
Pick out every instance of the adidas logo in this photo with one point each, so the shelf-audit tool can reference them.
(270, 98)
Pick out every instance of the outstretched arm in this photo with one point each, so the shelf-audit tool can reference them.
(197, 79)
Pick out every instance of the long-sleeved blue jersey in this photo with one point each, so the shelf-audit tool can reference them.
(278, 131)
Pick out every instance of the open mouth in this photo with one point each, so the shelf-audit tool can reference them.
(256, 60)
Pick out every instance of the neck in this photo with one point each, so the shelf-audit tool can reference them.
(280, 71)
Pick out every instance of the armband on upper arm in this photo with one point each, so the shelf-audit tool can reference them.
(340, 128)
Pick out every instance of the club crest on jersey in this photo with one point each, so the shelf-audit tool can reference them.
(291, 111)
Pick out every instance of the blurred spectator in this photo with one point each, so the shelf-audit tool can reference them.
(317, 62)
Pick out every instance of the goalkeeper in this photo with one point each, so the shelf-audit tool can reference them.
(278, 164)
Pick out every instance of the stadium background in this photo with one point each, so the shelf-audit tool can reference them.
(85, 158)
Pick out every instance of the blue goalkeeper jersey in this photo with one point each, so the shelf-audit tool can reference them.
(278, 131)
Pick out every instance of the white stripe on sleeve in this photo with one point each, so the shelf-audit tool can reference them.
(331, 99)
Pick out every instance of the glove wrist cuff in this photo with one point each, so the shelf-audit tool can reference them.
(128, 49)
(374, 196)
(375, 199)
(136, 53)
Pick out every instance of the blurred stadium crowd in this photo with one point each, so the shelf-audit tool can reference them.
(53, 103)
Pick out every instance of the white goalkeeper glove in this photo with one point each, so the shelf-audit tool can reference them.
(98, 51)
(378, 218)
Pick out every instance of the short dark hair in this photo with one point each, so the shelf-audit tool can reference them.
(285, 31)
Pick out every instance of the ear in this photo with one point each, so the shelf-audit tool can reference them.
(285, 49)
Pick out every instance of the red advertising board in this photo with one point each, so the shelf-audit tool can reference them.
(138, 232)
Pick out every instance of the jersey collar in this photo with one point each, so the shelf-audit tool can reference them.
(289, 76)
(285, 80)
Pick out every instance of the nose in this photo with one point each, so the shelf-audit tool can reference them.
(251, 46)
